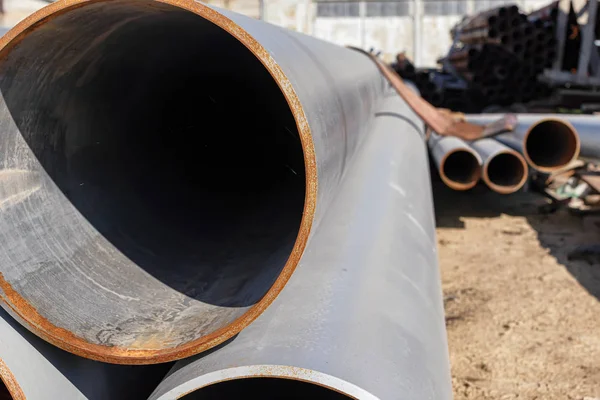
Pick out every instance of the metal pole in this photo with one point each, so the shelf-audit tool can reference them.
(588, 35)
(34, 370)
(417, 31)
(363, 315)
(154, 234)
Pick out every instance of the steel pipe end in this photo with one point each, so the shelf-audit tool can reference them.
(550, 144)
(156, 223)
(506, 172)
(9, 387)
(255, 380)
(460, 169)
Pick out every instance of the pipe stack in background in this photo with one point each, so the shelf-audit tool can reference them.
(503, 52)
(547, 143)
(156, 200)
(495, 60)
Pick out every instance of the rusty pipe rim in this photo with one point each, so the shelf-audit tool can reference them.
(505, 189)
(10, 382)
(570, 144)
(474, 174)
(65, 339)
(268, 371)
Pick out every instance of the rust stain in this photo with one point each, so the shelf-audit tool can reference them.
(67, 340)
(10, 382)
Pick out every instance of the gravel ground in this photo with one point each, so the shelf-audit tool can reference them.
(522, 303)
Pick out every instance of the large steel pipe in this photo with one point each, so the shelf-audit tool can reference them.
(457, 164)
(503, 170)
(362, 317)
(547, 143)
(32, 369)
(160, 162)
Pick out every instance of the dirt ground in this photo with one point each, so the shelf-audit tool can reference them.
(522, 299)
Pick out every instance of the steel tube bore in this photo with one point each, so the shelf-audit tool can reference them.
(159, 170)
(458, 165)
(547, 144)
(362, 317)
(503, 169)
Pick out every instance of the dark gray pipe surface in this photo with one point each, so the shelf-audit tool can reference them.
(159, 167)
(363, 313)
(36, 370)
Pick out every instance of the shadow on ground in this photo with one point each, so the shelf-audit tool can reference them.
(574, 240)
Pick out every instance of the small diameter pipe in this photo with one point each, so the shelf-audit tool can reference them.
(457, 164)
(503, 170)
(548, 143)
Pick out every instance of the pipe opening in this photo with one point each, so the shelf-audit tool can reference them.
(4, 393)
(492, 33)
(265, 388)
(153, 178)
(551, 144)
(500, 72)
(505, 39)
(507, 171)
(461, 167)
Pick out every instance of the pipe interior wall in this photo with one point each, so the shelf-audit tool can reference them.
(145, 172)
(159, 168)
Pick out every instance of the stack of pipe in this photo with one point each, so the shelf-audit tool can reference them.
(545, 142)
(501, 52)
(147, 218)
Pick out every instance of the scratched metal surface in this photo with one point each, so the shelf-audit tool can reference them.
(157, 185)
(43, 372)
(363, 314)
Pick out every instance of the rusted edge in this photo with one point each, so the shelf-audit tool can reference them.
(283, 372)
(560, 121)
(66, 340)
(459, 185)
(10, 382)
(440, 123)
(505, 189)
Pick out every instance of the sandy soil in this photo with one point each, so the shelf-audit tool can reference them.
(523, 318)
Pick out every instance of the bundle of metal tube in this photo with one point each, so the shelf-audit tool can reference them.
(547, 142)
(519, 45)
(155, 200)
(31, 369)
(342, 329)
